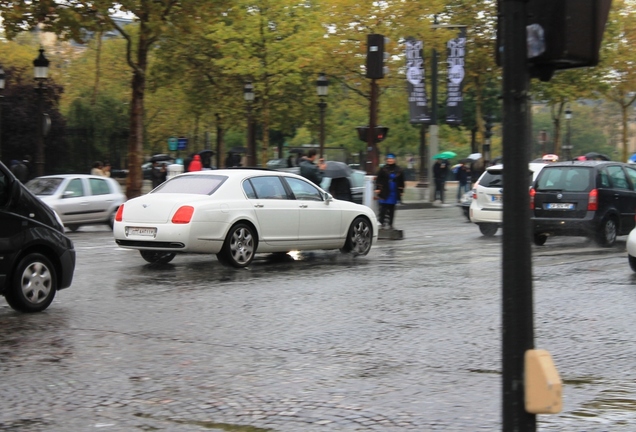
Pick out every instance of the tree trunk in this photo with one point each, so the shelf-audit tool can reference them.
(134, 180)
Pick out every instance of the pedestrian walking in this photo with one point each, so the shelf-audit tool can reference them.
(440, 172)
(158, 174)
(463, 179)
(98, 169)
(389, 186)
(19, 170)
(340, 188)
(196, 164)
(310, 170)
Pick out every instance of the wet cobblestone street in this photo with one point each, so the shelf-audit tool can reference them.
(407, 338)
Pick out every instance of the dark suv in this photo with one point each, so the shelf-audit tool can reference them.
(36, 258)
(584, 198)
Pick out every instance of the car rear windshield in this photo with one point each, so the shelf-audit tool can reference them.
(192, 184)
(565, 179)
(492, 179)
(44, 186)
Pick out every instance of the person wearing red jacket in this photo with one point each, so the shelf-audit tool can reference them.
(196, 164)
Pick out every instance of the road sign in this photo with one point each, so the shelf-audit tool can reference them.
(172, 144)
(182, 143)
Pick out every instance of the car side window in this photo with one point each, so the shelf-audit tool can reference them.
(619, 179)
(603, 179)
(74, 189)
(631, 173)
(98, 187)
(303, 190)
(248, 189)
(269, 187)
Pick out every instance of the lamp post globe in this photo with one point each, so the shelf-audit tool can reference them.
(322, 88)
(40, 73)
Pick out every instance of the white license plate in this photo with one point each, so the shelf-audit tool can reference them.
(559, 206)
(495, 198)
(142, 232)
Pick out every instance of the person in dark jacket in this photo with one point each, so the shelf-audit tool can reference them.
(340, 188)
(389, 186)
(463, 179)
(440, 172)
(310, 170)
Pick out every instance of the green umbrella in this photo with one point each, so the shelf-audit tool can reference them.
(445, 155)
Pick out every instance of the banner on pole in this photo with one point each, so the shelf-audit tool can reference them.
(456, 50)
(418, 102)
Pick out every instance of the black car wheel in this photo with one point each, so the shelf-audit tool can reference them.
(73, 228)
(359, 238)
(488, 229)
(158, 257)
(632, 262)
(33, 285)
(239, 247)
(607, 233)
(540, 239)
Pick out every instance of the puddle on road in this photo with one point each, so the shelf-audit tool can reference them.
(210, 425)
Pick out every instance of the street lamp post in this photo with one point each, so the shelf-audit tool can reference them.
(567, 148)
(40, 72)
(322, 87)
(248, 95)
(2, 81)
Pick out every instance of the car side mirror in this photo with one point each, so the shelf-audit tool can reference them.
(68, 194)
(328, 197)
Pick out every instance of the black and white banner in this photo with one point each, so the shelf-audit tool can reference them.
(456, 49)
(418, 102)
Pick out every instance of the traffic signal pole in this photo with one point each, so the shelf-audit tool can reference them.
(517, 299)
(372, 148)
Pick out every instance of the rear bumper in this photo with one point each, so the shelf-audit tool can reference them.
(479, 215)
(567, 227)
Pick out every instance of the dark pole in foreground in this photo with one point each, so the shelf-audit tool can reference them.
(372, 150)
(517, 307)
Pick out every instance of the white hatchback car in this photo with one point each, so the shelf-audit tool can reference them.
(486, 208)
(79, 199)
(236, 213)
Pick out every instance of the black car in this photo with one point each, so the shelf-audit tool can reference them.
(36, 258)
(595, 199)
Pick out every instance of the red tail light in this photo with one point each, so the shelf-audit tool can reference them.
(183, 215)
(532, 194)
(120, 213)
(475, 190)
(592, 200)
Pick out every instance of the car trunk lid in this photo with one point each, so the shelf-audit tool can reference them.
(157, 208)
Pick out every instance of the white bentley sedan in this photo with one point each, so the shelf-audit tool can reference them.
(236, 213)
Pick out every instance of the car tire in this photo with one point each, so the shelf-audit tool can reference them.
(111, 219)
(488, 229)
(632, 262)
(466, 212)
(157, 257)
(540, 239)
(239, 246)
(606, 235)
(33, 285)
(359, 237)
(73, 228)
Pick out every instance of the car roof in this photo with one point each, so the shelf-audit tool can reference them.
(588, 163)
(65, 176)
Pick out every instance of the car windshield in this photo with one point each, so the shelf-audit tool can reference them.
(566, 179)
(192, 184)
(492, 179)
(44, 186)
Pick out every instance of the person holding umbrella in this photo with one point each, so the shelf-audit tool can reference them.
(310, 170)
(389, 186)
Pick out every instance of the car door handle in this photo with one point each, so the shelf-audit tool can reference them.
(303, 206)
(258, 205)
